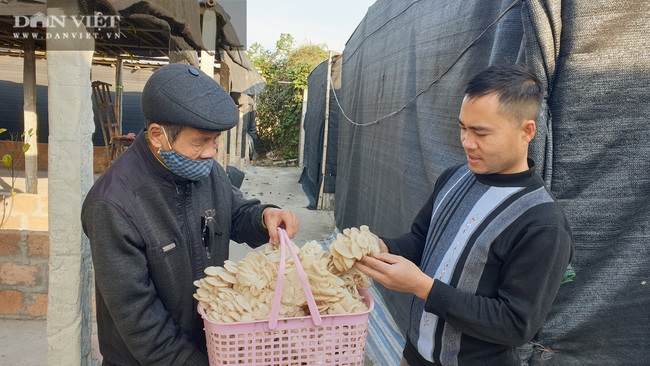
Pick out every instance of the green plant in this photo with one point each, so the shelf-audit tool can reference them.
(279, 105)
(9, 163)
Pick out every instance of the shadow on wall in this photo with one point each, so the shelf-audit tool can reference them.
(11, 113)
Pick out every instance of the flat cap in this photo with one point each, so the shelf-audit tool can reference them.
(179, 94)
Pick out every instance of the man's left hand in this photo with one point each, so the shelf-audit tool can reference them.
(275, 217)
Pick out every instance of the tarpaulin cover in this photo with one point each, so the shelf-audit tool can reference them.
(404, 70)
(314, 125)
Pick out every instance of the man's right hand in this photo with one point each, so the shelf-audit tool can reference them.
(396, 273)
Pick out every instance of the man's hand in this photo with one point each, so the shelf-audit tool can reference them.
(274, 218)
(396, 273)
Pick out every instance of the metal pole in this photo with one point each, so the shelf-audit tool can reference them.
(325, 134)
(119, 92)
(301, 144)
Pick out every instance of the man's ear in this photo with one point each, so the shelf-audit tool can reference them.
(529, 129)
(156, 135)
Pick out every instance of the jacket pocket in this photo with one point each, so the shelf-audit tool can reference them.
(163, 251)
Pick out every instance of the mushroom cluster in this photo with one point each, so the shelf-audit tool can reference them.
(243, 291)
(351, 245)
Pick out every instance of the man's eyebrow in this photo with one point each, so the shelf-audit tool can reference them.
(474, 128)
(480, 128)
(203, 138)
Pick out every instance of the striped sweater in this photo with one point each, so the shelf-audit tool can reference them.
(497, 247)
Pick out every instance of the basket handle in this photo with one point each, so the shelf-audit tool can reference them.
(277, 296)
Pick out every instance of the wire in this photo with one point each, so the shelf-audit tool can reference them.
(435, 80)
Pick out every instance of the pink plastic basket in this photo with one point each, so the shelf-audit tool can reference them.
(309, 340)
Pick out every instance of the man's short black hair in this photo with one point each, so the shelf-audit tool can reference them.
(520, 91)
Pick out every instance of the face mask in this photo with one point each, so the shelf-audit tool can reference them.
(185, 167)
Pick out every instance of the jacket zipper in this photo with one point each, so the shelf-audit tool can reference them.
(190, 246)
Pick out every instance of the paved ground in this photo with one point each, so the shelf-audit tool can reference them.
(24, 342)
(279, 186)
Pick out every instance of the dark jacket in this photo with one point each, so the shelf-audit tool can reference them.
(145, 226)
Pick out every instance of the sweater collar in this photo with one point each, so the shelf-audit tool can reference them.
(507, 180)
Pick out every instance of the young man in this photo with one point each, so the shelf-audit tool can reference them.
(487, 253)
(162, 213)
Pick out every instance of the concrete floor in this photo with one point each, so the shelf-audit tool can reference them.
(279, 186)
(23, 342)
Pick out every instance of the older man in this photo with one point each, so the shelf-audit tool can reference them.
(162, 213)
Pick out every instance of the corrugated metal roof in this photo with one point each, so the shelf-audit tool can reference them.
(146, 29)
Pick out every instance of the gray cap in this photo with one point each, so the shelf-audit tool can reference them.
(179, 94)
